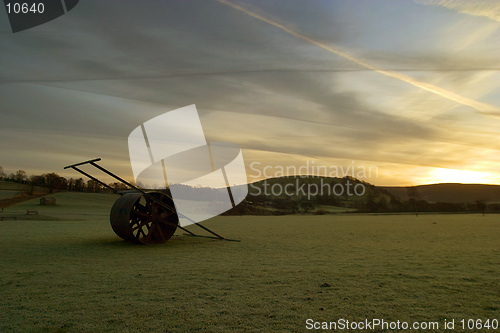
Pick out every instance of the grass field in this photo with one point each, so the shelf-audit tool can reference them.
(12, 186)
(11, 189)
(4, 194)
(68, 272)
(5, 185)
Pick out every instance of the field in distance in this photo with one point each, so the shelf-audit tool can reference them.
(68, 271)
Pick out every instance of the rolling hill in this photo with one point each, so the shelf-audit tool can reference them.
(453, 193)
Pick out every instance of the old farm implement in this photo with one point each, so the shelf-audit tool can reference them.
(141, 216)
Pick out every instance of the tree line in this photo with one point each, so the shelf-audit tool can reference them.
(376, 200)
(53, 182)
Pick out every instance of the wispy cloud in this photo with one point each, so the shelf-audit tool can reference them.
(483, 107)
(331, 81)
(483, 8)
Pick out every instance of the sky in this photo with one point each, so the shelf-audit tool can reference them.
(395, 92)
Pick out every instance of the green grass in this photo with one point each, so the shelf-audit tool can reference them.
(5, 185)
(334, 209)
(13, 186)
(4, 194)
(75, 275)
(71, 206)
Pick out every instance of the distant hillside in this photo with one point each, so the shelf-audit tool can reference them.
(289, 195)
(12, 193)
(453, 193)
(12, 186)
(345, 192)
(315, 195)
(16, 187)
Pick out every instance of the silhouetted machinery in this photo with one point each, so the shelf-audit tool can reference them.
(141, 216)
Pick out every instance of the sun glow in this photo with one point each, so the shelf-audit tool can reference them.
(442, 175)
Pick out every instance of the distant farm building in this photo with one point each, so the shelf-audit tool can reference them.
(48, 201)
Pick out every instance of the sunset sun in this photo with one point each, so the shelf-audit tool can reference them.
(442, 175)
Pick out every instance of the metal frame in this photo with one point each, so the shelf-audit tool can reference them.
(159, 202)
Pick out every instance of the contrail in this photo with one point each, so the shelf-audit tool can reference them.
(483, 107)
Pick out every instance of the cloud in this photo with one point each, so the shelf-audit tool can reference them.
(74, 88)
(483, 107)
(482, 8)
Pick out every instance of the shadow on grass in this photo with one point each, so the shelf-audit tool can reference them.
(176, 241)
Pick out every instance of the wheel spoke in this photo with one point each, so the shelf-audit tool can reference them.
(140, 208)
(142, 222)
(138, 213)
(166, 218)
(146, 239)
(160, 232)
(148, 203)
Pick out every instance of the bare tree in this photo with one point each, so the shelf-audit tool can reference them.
(78, 185)
(36, 181)
(93, 186)
(2, 173)
(20, 176)
(54, 182)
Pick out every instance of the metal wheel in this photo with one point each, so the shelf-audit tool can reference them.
(139, 219)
